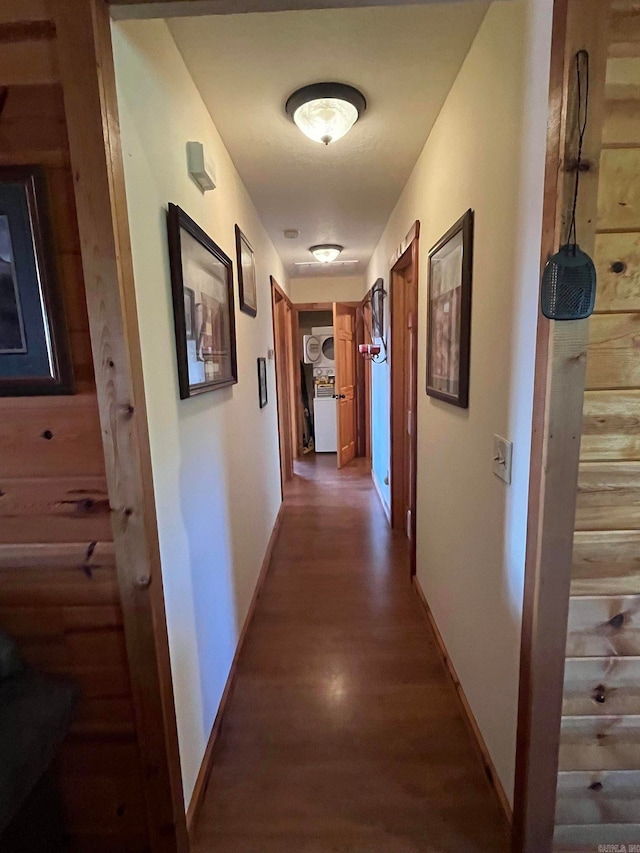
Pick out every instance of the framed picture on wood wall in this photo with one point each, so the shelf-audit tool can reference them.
(203, 309)
(449, 320)
(247, 284)
(34, 348)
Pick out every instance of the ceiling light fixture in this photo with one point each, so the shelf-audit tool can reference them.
(326, 253)
(326, 111)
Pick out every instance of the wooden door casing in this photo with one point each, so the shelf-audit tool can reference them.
(283, 344)
(344, 326)
(404, 387)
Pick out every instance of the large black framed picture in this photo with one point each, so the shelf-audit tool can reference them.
(203, 309)
(449, 321)
(34, 349)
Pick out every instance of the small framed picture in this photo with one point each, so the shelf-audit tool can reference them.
(449, 321)
(262, 382)
(247, 284)
(377, 309)
(202, 287)
(35, 357)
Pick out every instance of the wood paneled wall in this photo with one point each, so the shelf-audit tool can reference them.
(598, 795)
(59, 594)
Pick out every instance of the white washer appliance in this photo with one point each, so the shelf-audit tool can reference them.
(324, 410)
(318, 347)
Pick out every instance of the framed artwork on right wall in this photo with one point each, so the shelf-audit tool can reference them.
(449, 319)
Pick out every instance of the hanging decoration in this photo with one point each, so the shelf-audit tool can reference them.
(375, 327)
(569, 279)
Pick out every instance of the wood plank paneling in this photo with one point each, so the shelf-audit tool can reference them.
(623, 121)
(59, 591)
(50, 439)
(606, 563)
(614, 351)
(608, 496)
(618, 286)
(28, 62)
(603, 686)
(54, 509)
(604, 625)
(598, 797)
(601, 700)
(610, 426)
(619, 197)
(600, 743)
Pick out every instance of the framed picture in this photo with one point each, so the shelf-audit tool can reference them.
(377, 309)
(247, 285)
(449, 322)
(262, 382)
(34, 349)
(202, 287)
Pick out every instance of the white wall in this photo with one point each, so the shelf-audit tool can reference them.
(486, 152)
(215, 457)
(327, 288)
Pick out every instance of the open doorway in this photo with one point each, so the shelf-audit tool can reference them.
(404, 389)
(333, 387)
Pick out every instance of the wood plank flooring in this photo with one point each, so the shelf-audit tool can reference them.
(343, 733)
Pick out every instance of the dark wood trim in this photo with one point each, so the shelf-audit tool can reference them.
(178, 220)
(202, 780)
(85, 57)
(464, 225)
(400, 311)
(481, 748)
(283, 386)
(11, 33)
(557, 418)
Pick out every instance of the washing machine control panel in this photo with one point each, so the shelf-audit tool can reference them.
(324, 382)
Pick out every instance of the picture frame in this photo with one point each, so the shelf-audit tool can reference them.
(203, 307)
(35, 356)
(262, 383)
(378, 294)
(247, 282)
(449, 314)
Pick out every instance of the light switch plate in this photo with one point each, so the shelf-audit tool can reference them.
(502, 456)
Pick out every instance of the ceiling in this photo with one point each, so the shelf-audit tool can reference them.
(403, 58)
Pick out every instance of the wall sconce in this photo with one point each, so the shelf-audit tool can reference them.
(375, 301)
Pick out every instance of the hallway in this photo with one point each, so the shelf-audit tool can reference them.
(343, 732)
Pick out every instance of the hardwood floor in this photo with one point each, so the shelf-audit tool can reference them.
(343, 733)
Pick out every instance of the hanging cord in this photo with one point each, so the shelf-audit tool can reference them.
(582, 72)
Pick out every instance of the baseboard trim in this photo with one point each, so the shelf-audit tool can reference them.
(376, 485)
(202, 780)
(483, 752)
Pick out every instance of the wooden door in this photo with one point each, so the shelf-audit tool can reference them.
(344, 326)
(282, 350)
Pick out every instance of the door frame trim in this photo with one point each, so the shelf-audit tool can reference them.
(87, 75)
(561, 354)
(407, 255)
(284, 422)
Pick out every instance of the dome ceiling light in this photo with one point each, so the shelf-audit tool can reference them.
(326, 253)
(326, 111)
